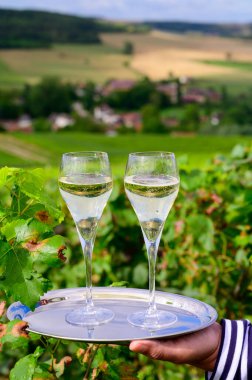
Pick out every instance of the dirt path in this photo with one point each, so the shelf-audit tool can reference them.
(15, 147)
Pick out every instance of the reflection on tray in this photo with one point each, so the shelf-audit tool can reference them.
(49, 317)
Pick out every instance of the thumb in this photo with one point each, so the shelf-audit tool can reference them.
(152, 348)
(141, 346)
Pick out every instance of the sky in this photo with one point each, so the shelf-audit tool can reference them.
(140, 10)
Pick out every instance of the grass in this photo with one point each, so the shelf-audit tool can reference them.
(240, 65)
(235, 84)
(198, 149)
(8, 78)
(10, 160)
(176, 112)
(74, 63)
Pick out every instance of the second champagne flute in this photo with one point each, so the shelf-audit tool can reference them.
(85, 184)
(151, 184)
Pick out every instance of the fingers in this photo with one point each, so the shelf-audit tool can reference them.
(154, 349)
(199, 348)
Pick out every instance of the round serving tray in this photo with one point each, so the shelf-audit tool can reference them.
(49, 317)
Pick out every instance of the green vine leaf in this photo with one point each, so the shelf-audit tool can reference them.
(121, 284)
(32, 185)
(49, 251)
(28, 215)
(21, 230)
(202, 229)
(19, 281)
(13, 333)
(25, 367)
(6, 175)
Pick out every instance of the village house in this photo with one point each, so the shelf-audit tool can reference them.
(215, 119)
(132, 120)
(170, 122)
(106, 115)
(60, 121)
(200, 96)
(79, 109)
(117, 85)
(170, 90)
(22, 124)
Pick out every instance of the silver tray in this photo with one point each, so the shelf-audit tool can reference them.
(48, 319)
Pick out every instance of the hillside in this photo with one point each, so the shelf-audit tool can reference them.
(41, 29)
(37, 29)
(223, 30)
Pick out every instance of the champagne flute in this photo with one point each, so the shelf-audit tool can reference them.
(151, 184)
(85, 184)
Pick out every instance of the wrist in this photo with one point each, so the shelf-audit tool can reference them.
(209, 362)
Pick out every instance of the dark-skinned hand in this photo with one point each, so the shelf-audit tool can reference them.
(199, 349)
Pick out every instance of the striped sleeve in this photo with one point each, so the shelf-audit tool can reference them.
(234, 361)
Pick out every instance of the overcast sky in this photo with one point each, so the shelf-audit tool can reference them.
(186, 10)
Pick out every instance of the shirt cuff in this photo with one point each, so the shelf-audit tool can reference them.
(232, 359)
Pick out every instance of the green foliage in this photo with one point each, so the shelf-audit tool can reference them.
(9, 105)
(35, 29)
(27, 218)
(151, 120)
(13, 334)
(89, 97)
(128, 48)
(106, 362)
(205, 252)
(191, 118)
(142, 93)
(25, 368)
(47, 97)
(85, 124)
(41, 125)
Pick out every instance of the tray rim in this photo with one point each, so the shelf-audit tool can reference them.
(213, 315)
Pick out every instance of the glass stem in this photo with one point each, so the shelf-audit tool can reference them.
(152, 248)
(87, 246)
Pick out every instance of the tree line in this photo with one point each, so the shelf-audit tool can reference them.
(37, 29)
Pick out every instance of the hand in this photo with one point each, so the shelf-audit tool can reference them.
(199, 349)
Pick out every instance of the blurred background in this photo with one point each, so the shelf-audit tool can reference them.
(116, 72)
(122, 76)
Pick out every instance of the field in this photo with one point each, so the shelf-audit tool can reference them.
(46, 149)
(157, 54)
(73, 63)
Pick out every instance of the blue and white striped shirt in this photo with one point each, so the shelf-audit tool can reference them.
(234, 361)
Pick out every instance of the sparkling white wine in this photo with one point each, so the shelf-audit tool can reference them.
(152, 197)
(86, 196)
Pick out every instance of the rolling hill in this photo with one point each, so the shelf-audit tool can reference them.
(223, 30)
(39, 29)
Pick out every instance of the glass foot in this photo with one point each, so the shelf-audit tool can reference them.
(83, 317)
(160, 320)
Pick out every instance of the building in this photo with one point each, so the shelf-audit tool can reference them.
(170, 90)
(106, 115)
(117, 85)
(22, 124)
(132, 120)
(60, 121)
(201, 96)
